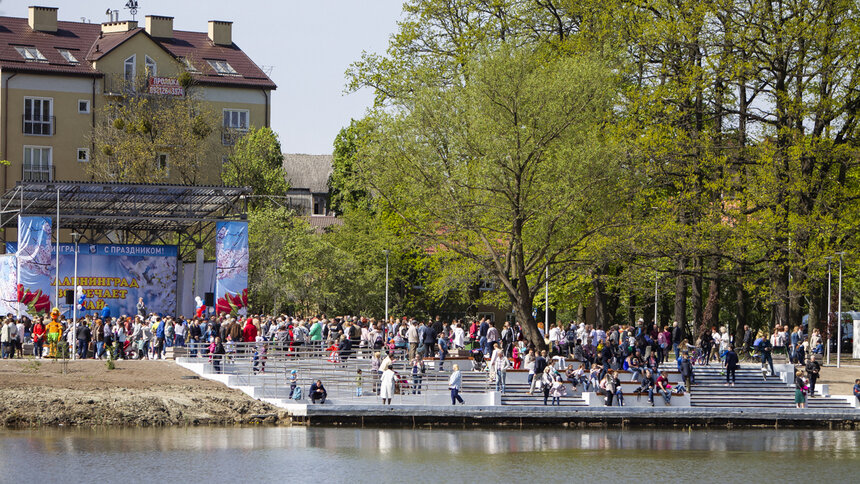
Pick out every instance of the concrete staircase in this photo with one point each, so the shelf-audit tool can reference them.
(752, 390)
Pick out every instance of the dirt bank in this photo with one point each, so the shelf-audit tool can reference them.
(136, 393)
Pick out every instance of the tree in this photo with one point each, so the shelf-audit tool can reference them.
(514, 169)
(346, 190)
(257, 162)
(143, 138)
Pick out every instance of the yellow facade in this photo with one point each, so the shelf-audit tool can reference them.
(66, 136)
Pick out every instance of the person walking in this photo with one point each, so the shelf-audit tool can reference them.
(455, 383)
(766, 349)
(686, 367)
(813, 370)
(539, 367)
(731, 362)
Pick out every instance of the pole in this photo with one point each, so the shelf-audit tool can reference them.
(386, 286)
(57, 256)
(656, 279)
(829, 300)
(546, 300)
(75, 292)
(839, 317)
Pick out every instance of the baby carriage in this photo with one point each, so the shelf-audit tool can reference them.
(478, 363)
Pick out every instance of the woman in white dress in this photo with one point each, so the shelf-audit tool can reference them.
(386, 390)
(459, 336)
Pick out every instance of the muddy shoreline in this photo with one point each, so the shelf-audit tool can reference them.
(135, 394)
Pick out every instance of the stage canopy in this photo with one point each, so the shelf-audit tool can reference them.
(128, 213)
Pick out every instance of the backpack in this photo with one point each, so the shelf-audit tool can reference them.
(297, 393)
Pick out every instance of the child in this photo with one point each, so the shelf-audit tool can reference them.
(358, 380)
(293, 379)
(260, 355)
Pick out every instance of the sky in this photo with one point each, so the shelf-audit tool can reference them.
(308, 45)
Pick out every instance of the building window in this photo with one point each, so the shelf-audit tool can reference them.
(223, 68)
(129, 72)
(37, 163)
(189, 66)
(67, 54)
(30, 53)
(487, 286)
(161, 161)
(235, 125)
(84, 106)
(151, 67)
(38, 119)
(83, 155)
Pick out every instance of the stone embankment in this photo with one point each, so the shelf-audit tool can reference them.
(136, 393)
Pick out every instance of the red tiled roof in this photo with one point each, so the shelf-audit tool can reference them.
(75, 36)
(88, 45)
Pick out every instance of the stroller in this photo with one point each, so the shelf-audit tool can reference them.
(478, 363)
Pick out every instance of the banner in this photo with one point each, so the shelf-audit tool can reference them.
(231, 267)
(8, 285)
(117, 275)
(35, 265)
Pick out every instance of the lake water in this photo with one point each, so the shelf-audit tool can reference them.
(332, 455)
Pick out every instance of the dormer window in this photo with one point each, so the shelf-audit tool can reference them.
(222, 67)
(188, 65)
(30, 53)
(67, 54)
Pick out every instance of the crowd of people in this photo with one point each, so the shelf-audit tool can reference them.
(600, 354)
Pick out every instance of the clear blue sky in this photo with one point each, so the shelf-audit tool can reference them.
(308, 43)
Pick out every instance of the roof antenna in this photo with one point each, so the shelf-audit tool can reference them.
(131, 5)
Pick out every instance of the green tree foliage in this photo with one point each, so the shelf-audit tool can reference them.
(346, 189)
(513, 170)
(257, 162)
(147, 138)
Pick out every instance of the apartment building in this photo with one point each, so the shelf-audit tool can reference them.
(55, 75)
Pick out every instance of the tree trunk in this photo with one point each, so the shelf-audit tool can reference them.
(631, 308)
(681, 295)
(648, 312)
(711, 316)
(523, 311)
(740, 310)
(696, 293)
(600, 303)
(780, 289)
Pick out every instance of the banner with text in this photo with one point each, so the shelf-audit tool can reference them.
(117, 275)
(231, 267)
(8, 284)
(35, 265)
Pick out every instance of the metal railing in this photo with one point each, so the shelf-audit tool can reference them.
(270, 371)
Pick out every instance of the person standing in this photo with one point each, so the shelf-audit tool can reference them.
(386, 390)
(38, 338)
(799, 389)
(455, 383)
(83, 336)
(731, 365)
(686, 367)
(539, 366)
(442, 348)
(141, 308)
(417, 373)
(813, 370)
(499, 366)
(217, 353)
(6, 337)
(677, 336)
(412, 339)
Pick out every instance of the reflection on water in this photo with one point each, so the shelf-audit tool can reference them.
(371, 454)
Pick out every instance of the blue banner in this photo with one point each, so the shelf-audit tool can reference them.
(231, 267)
(35, 265)
(116, 276)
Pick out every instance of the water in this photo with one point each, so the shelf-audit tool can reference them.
(331, 455)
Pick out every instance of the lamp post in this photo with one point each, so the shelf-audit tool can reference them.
(656, 280)
(546, 299)
(839, 316)
(829, 300)
(386, 285)
(76, 236)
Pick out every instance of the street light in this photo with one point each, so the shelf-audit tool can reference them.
(829, 300)
(656, 280)
(76, 236)
(386, 285)
(839, 317)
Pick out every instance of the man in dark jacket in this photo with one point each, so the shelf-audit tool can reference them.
(317, 392)
(83, 336)
(731, 365)
(813, 369)
(686, 367)
(540, 366)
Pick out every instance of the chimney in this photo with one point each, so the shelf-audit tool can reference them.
(160, 27)
(221, 32)
(43, 19)
(114, 27)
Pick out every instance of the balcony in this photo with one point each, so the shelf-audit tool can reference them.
(229, 136)
(36, 125)
(37, 172)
